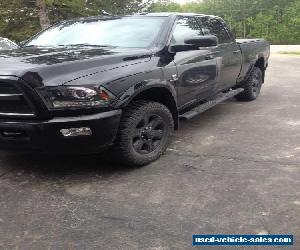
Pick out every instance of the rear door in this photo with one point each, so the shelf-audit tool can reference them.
(228, 51)
(196, 68)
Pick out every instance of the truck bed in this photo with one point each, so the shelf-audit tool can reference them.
(252, 49)
(243, 41)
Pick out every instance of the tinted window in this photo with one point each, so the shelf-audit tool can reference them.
(185, 27)
(212, 26)
(119, 32)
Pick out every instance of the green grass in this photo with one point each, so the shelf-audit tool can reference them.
(295, 53)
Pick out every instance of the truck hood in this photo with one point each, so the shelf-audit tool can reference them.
(62, 65)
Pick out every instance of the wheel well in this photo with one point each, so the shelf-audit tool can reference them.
(260, 63)
(162, 96)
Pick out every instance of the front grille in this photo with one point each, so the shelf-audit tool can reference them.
(13, 102)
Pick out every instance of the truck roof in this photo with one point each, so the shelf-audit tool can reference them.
(166, 14)
(154, 14)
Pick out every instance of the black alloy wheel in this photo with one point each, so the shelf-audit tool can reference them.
(145, 131)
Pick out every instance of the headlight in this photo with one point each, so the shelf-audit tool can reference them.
(74, 97)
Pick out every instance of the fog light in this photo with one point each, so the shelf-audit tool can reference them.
(72, 132)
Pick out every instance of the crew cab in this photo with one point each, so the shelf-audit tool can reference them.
(122, 83)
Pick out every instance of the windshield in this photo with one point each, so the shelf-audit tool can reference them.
(135, 32)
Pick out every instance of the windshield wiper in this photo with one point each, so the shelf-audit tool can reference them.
(71, 45)
(34, 46)
(87, 45)
(28, 46)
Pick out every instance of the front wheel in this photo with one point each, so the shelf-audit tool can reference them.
(144, 133)
(252, 86)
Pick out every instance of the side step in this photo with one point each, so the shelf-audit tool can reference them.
(209, 104)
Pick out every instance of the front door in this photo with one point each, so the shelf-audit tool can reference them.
(228, 51)
(197, 70)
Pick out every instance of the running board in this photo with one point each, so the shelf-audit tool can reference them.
(209, 104)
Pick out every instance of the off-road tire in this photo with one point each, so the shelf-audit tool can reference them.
(252, 86)
(132, 146)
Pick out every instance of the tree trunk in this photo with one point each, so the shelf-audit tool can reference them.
(43, 14)
(244, 35)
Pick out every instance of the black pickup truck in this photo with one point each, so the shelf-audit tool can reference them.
(87, 84)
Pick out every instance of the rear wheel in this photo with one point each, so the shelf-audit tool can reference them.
(145, 130)
(252, 86)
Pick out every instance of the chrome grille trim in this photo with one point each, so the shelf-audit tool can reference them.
(17, 114)
(8, 95)
(13, 101)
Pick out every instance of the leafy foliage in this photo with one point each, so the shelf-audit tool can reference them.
(20, 19)
(275, 20)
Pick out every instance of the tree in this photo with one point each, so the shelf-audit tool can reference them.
(42, 12)
(276, 20)
(20, 19)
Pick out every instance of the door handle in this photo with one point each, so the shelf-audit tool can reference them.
(236, 52)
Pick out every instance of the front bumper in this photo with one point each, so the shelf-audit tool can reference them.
(46, 136)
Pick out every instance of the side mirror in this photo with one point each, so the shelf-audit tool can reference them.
(202, 41)
(194, 43)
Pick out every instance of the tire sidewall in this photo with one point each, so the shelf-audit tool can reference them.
(129, 129)
(250, 82)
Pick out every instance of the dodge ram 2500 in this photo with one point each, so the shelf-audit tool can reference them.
(122, 82)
